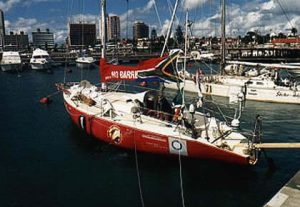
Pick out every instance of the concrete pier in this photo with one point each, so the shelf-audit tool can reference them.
(288, 195)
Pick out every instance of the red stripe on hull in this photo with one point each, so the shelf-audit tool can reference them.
(129, 138)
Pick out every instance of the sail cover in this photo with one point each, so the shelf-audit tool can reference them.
(163, 67)
(110, 72)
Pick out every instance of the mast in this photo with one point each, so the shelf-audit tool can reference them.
(169, 29)
(222, 64)
(103, 37)
(185, 54)
(103, 27)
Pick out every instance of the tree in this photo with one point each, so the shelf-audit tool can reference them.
(281, 35)
(294, 31)
(179, 35)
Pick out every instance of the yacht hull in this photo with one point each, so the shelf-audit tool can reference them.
(40, 66)
(11, 67)
(134, 138)
(273, 95)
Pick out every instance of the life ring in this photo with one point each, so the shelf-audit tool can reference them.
(114, 132)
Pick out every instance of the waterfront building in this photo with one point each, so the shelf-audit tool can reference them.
(2, 28)
(140, 30)
(82, 34)
(153, 34)
(43, 39)
(113, 28)
(16, 42)
(286, 42)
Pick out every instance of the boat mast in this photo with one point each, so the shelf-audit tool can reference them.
(170, 28)
(103, 27)
(103, 37)
(185, 55)
(222, 64)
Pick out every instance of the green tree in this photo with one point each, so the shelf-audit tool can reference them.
(179, 35)
(294, 31)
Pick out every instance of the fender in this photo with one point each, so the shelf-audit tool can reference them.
(82, 122)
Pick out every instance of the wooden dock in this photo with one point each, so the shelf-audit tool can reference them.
(288, 195)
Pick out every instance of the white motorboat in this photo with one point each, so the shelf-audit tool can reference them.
(40, 60)
(203, 56)
(11, 61)
(85, 62)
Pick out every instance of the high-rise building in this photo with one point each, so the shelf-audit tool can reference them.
(2, 28)
(16, 41)
(140, 30)
(43, 39)
(113, 26)
(82, 34)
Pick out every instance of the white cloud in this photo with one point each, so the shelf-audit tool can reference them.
(268, 5)
(258, 15)
(165, 27)
(5, 6)
(148, 6)
(135, 15)
(192, 4)
(84, 18)
(31, 24)
(60, 36)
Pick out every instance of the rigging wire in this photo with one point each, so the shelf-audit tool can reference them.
(158, 17)
(285, 14)
(180, 171)
(180, 176)
(127, 7)
(69, 14)
(138, 172)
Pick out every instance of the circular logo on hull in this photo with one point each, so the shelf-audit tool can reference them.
(114, 133)
(176, 145)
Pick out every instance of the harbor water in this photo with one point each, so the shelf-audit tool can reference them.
(46, 161)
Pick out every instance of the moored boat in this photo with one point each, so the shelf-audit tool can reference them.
(11, 61)
(258, 84)
(40, 60)
(118, 118)
(85, 62)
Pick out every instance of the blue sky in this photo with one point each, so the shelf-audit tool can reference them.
(265, 16)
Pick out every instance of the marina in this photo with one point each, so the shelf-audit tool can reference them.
(169, 120)
(65, 167)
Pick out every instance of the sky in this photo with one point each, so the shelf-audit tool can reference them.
(262, 16)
